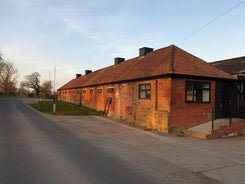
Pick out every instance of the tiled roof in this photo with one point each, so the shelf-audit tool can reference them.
(232, 66)
(168, 60)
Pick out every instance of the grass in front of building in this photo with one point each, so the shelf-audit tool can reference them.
(64, 108)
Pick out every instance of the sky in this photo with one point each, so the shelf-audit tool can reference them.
(77, 35)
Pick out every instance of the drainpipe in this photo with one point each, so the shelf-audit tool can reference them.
(80, 99)
(120, 99)
(134, 100)
(242, 98)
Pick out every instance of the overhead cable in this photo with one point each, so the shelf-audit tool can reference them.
(210, 22)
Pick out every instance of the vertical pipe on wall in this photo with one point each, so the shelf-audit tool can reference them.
(213, 117)
(155, 103)
(80, 97)
(230, 111)
(156, 94)
(242, 101)
(120, 99)
(134, 100)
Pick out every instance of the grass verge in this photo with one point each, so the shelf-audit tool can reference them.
(64, 108)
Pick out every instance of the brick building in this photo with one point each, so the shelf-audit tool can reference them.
(162, 90)
(235, 67)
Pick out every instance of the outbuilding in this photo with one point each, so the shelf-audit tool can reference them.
(163, 90)
(235, 67)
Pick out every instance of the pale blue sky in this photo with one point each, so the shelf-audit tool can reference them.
(75, 35)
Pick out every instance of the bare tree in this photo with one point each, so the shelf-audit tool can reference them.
(1, 55)
(1, 62)
(22, 90)
(33, 81)
(8, 77)
(46, 89)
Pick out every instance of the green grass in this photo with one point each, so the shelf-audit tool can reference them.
(63, 108)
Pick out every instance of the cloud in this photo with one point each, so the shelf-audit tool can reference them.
(91, 22)
(28, 57)
(25, 4)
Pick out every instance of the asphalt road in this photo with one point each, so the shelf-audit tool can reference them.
(37, 149)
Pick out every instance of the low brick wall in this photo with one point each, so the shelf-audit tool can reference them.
(236, 128)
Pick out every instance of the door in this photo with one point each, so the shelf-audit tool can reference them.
(227, 102)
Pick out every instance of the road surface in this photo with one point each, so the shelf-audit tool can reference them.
(36, 148)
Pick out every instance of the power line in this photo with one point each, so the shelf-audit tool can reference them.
(210, 22)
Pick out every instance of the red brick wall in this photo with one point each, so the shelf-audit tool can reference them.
(89, 97)
(125, 101)
(183, 113)
(75, 96)
(148, 113)
(64, 96)
(154, 113)
(236, 127)
(166, 108)
(100, 99)
(163, 102)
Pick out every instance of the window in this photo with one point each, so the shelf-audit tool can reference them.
(145, 91)
(197, 92)
(84, 91)
(91, 91)
(99, 90)
(110, 90)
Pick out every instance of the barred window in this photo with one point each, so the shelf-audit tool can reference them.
(145, 91)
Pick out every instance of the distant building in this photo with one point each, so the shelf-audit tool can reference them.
(235, 67)
(164, 89)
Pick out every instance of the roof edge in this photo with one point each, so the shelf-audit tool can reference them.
(171, 75)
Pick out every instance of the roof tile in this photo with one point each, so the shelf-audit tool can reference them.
(160, 62)
(232, 66)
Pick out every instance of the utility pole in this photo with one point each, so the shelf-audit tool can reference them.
(54, 105)
(54, 82)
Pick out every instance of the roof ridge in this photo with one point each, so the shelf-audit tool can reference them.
(172, 57)
(165, 61)
(226, 60)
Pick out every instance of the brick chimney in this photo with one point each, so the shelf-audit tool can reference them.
(88, 72)
(78, 75)
(118, 60)
(145, 50)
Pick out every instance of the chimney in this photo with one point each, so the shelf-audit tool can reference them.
(144, 51)
(78, 75)
(87, 72)
(118, 60)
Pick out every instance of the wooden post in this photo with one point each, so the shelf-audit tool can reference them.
(54, 107)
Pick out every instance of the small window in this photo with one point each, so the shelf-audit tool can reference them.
(84, 91)
(91, 91)
(197, 92)
(145, 91)
(110, 90)
(99, 90)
